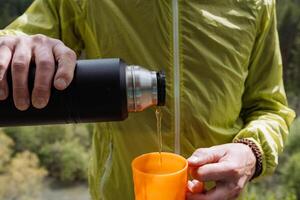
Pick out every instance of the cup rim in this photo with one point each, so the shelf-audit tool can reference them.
(165, 174)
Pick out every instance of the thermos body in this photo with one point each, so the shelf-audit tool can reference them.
(101, 90)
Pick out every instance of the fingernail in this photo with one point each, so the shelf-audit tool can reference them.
(190, 185)
(22, 104)
(2, 94)
(40, 103)
(193, 159)
(61, 83)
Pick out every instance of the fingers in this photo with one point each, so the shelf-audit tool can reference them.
(19, 68)
(18, 50)
(209, 172)
(221, 191)
(206, 155)
(216, 172)
(5, 58)
(195, 186)
(66, 59)
(45, 67)
(3, 88)
(216, 193)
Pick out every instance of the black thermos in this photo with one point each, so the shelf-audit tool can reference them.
(102, 90)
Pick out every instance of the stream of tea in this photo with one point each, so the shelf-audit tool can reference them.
(158, 114)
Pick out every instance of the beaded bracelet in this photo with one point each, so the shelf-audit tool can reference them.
(257, 154)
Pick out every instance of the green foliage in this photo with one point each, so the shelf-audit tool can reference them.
(289, 31)
(21, 175)
(33, 138)
(66, 160)
(63, 149)
(22, 179)
(262, 192)
(6, 145)
(293, 145)
(291, 173)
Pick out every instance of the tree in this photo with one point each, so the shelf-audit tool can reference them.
(6, 145)
(289, 31)
(20, 176)
(62, 149)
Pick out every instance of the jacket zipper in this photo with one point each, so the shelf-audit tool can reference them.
(176, 63)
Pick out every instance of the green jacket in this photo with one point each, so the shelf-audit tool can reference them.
(223, 65)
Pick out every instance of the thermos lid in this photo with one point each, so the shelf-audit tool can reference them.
(161, 88)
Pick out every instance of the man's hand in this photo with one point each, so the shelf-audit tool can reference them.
(229, 165)
(18, 52)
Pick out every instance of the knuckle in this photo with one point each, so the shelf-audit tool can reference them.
(7, 40)
(205, 153)
(46, 65)
(20, 57)
(39, 38)
(19, 66)
(56, 41)
(200, 151)
(70, 54)
(22, 38)
(18, 40)
(3, 41)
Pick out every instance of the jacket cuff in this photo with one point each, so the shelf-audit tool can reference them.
(257, 153)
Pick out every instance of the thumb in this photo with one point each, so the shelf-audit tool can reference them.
(204, 156)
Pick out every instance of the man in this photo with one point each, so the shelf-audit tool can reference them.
(226, 102)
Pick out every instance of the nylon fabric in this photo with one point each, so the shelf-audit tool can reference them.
(230, 75)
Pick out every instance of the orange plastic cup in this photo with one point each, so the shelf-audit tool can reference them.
(160, 177)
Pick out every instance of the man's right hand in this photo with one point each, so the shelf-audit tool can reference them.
(17, 52)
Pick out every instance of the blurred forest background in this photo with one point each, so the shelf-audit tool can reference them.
(32, 158)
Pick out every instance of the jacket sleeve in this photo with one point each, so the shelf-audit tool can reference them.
(265, 112)
(54, 18)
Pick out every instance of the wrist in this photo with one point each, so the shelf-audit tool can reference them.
(257, 154)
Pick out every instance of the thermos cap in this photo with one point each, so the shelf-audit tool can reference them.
(144, 88)
(161, 88)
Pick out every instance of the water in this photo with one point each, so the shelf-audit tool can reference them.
(158, 114)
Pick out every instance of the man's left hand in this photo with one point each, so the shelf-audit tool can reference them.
(231, 166)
